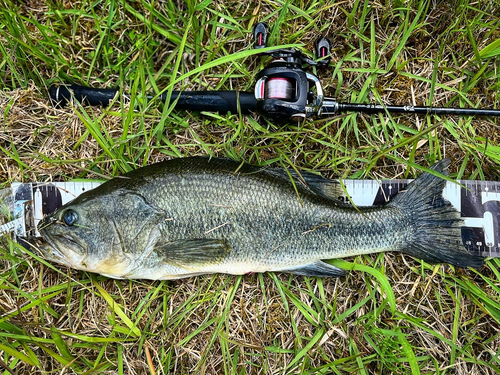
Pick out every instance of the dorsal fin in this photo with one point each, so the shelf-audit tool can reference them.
(324, 187)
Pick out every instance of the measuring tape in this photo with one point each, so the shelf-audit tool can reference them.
(32, 201)
(478, 201)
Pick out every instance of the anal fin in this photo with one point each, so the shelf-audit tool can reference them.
(319, 269)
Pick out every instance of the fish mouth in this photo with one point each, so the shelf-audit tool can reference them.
(67, 240)
(54, 233)
(60, 248)
(48, 249)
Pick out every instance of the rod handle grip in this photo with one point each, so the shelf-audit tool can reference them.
(214, 101)
(60, 95)
(209, 101)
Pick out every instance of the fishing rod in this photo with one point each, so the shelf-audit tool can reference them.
(284, 91)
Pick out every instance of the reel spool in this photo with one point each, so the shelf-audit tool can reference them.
(279, 88)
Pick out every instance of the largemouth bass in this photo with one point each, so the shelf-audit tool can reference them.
(192, 216)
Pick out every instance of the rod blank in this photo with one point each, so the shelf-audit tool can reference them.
(330, 106)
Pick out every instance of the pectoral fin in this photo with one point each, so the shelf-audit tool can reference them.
(318, 268)
(193, 252)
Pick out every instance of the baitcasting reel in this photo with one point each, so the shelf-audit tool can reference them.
(284, 89)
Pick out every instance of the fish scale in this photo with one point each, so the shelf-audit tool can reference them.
(316, 236)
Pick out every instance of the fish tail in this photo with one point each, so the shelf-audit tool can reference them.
(434, 224)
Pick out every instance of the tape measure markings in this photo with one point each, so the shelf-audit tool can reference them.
(479, 203)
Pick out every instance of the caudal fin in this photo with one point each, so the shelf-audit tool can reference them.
(435, 224)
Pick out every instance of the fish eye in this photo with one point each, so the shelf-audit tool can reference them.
(70, 217)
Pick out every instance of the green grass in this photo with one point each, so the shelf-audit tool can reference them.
(391, 314)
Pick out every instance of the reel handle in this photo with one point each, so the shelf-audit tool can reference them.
(323, 50)
(260, 33)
